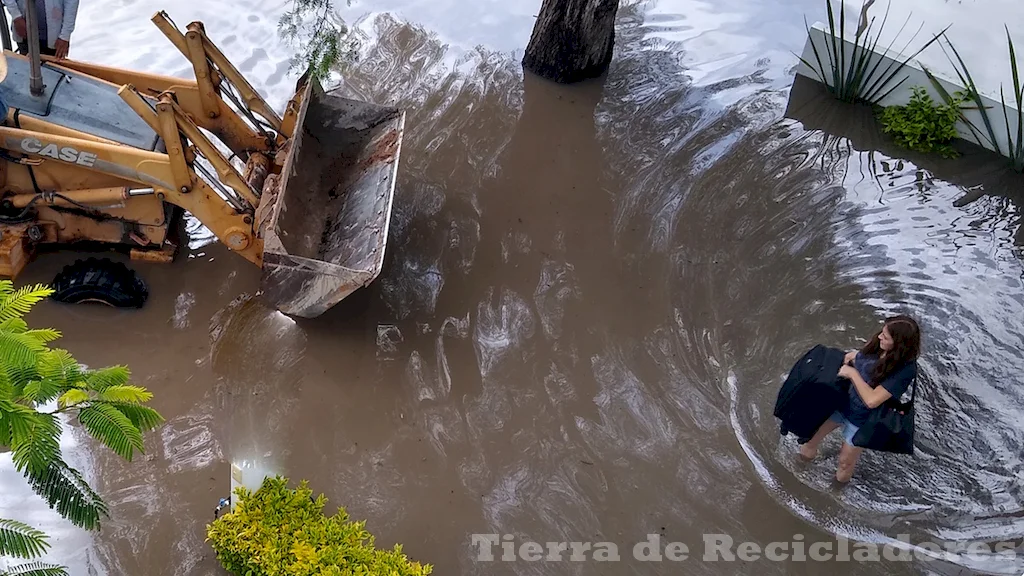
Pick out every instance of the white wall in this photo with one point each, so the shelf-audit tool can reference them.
(915, 76)
(977, 28)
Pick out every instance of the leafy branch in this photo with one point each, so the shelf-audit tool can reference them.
(320, 34)
(21, 539)
(107, 405)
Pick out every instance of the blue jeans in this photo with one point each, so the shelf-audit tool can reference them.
(849, 429)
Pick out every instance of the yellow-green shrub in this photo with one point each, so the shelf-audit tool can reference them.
(277, 531)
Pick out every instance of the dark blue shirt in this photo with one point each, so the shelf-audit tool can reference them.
(896, 383)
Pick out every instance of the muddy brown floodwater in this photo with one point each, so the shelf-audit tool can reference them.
(591, 296)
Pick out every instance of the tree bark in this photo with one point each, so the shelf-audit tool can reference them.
(572, 40)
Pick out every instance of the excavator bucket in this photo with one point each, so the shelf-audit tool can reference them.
(327, 227)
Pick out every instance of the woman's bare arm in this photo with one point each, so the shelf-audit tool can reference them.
(872, 397)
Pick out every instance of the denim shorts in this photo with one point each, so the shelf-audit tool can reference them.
(849, 429)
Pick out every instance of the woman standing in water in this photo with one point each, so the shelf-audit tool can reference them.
(884, 368)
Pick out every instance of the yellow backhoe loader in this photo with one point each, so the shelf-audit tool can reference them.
(98, 154)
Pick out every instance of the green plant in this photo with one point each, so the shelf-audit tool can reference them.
(277, 531)
(1014, 142)
(922, 125)
(854, 78)
(322, 35)
(32, 375)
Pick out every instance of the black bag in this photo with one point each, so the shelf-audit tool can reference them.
(811, 393)
(890, 427)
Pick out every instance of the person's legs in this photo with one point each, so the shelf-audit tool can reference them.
(848, 456)
(810, 449)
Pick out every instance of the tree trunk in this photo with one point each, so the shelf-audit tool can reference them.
(572, 39)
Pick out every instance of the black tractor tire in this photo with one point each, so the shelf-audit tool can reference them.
(100, 280)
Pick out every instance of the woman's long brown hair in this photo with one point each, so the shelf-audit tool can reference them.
(906, 337)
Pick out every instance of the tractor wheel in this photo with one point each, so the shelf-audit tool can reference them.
(99, 280)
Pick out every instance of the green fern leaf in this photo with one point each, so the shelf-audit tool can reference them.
(126, 394)
(36, 569)
(19, 343)
(20, 302)
(18, 354)
(42, 391)
(142, 417)
(72, 397)
(7, 391)
(17, 377)
(21, 540)
(43, 334)
(60, 366)
(16, 325)
(66, 491)
(109, 377)
(35, 441)
(5, 422)
(15, 422)
(106, 424)
(6, 288)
